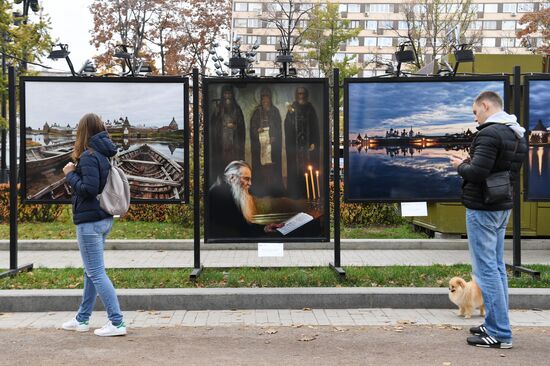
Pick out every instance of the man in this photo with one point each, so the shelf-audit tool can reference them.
(302, 142)
(266, 143)
(227, 132)
(231, 206)
(498, 145)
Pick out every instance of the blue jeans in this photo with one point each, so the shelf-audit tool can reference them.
(91, 240)
(486, 231)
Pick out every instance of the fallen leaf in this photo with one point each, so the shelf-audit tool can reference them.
(306, 309)
(403, 322)
(297, 325)
(456, 327)
(447, 364)
(306, 338)
(502, 355)
(340, 329)
(271, 331)
(267, 342)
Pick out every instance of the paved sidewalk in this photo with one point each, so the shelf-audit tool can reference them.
(249, 258)
(276, 317)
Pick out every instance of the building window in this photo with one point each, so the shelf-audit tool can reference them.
(509, 8)
(474, 8)
(475, 25)
(491, 8)
(253, 23)
(452, 8)
(370, 41)
(306, 6)
(402, 25)
(339, 57)
(419, 9)
(385, 41)
(354, 8)
(489, 42)
(372, 24)
(343, 8)
(255, 7)
(241, 7)
(240, 23)
(507, 42)
(385, 24)
(271, 40)
(380, 8)
(252, 39)
(353, 41)
(527, 7)
(508, 25)
(490, 25)
(354, 24)
(270, 56)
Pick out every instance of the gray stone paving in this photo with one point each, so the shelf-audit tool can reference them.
(275, 317)
(249, 258)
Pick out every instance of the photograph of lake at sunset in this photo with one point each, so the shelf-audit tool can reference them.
(401, 134)
(538, 167)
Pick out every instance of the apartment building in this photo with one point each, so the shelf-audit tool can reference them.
(383, 22)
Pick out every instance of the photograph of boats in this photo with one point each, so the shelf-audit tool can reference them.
(537, 169)
(146, 118)
(277, 132)
(401, 133)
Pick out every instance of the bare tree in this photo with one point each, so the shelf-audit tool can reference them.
(435, 26)
(290, 18)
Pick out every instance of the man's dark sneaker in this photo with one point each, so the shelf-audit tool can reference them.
(479, 331)
(487, 341)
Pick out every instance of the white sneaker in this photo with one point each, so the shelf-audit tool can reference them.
(75, 325)
(109, 330)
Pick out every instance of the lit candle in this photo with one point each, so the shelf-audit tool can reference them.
(312, 181)
(318, 189)
(307, 186)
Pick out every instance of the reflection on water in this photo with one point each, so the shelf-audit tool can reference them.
(403, 173)
(539, 172)
(39, 179)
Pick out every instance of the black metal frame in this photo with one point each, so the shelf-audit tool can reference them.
(197, 266)
(323, 82)
(526, 170)
(14, 268)
(516, 266)
(162, 79)
(336, 266)
(396, 80)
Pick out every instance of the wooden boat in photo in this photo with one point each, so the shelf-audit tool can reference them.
(151, 175)
(43, 157)
(56, 191)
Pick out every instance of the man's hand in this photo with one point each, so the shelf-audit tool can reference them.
(70, 167)
(269, 228)
(311, 147)
(456, 161)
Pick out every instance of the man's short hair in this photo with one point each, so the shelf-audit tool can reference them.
(489, 96)
(234, 168)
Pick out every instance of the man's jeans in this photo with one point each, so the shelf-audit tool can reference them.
(486, 231)
(91, 240)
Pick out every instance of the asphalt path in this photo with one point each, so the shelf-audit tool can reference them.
(400, 344)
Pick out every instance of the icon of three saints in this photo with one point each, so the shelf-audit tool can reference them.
(301, 143)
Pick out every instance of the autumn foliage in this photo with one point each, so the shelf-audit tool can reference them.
(536, 22)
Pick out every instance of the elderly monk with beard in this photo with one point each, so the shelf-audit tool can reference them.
(231, 206)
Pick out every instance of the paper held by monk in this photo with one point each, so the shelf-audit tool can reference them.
(265, 147)
(295, 222)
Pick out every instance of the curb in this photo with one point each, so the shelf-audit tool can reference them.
(347, 244)
(260, 298)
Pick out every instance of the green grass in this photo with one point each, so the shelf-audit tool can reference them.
(391, 276)
(63, 228)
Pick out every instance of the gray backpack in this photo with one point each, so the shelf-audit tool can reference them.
(115, 197)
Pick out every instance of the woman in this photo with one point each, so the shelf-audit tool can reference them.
(87, 178)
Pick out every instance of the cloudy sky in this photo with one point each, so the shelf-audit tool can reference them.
(71, 23)
(539, 101)
(152, 104)
(431, 108)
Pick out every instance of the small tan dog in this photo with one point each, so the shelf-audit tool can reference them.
(467, 296)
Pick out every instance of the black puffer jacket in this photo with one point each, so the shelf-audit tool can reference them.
(492, 150)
